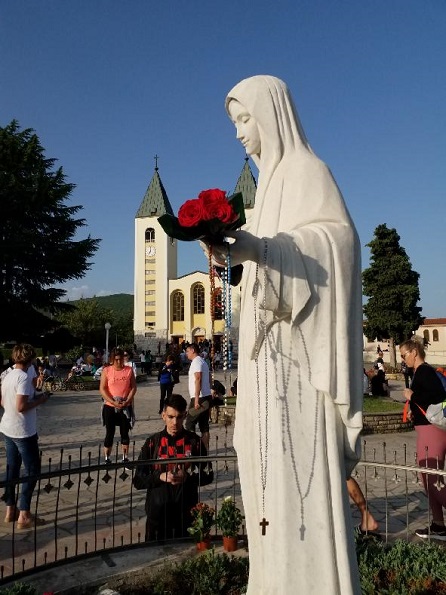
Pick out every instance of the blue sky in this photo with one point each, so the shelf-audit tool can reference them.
(108, 84)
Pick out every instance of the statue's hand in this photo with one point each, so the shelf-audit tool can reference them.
(243, 246)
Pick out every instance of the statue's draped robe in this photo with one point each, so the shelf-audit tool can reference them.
(311, 381)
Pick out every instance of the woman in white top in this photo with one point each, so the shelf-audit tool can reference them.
(19, 427)
(129, 362)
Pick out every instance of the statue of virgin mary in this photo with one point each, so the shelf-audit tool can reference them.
(299, 404)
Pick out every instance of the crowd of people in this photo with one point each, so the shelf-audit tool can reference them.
(21, 389)
(172, 488)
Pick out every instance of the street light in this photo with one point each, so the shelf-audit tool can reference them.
(107, 326)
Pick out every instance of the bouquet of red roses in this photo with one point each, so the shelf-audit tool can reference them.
(206, 217)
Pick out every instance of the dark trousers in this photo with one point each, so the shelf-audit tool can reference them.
(408, 379)
(168, 511)
(112, 419)
(166, 392)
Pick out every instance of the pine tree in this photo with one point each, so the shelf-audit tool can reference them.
(392, 288)
(37, 249)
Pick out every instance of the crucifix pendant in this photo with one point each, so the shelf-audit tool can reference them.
(264, 523)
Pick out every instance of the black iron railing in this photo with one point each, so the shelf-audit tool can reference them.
(91, 507)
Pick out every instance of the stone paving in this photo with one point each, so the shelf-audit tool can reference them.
(83, 518)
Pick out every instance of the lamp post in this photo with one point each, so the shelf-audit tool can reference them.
(107, 326)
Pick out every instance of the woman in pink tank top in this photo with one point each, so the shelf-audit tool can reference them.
(118, 388)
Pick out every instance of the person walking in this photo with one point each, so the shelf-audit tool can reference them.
(118, 389)
(200, 394)
(165, 378)
(407, 373)
(142, 359)
(19, 428)
(128, 361)
(426, 389)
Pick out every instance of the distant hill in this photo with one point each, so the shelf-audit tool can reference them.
(121, 303)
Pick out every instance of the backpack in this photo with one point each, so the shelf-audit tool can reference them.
(441, 373)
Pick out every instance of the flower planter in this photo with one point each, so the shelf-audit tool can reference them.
(204, 545)
(230, 544)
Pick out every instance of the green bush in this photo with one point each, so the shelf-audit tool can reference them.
(18, 589)
(208, 574)
(229, 518)
(401, 568)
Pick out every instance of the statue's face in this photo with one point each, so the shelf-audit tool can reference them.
(247, 130)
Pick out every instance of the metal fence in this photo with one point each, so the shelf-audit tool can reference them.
(91, 507)
(393, 488)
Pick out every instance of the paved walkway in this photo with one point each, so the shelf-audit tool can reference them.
(70, 421)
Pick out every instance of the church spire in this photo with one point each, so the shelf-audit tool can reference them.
(155, 202)
(246, 184)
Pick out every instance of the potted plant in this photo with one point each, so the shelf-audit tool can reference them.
(203, 519)
(229, 520)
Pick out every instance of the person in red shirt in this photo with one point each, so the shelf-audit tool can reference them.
(172, 488)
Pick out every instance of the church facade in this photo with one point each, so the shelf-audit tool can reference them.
(168, 308)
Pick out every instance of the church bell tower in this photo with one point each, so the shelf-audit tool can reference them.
(155, 264)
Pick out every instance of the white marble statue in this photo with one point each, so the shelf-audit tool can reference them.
(299, 404)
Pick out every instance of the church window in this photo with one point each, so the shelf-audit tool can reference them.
(150, 313)
(426, 336)
(150, 303)
(150, 281)
(435, 335)
(178, 306)
(150, 260)
(150, 292)
(150, 271)
(218, 305)
(198, 299)
(150, 234)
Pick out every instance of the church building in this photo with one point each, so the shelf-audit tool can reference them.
(168, 308)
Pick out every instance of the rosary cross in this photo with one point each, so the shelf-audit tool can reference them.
(264, 523)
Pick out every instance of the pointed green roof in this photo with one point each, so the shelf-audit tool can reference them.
(155, 202)
(246, 184)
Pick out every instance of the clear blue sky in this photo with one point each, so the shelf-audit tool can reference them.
(108, 84)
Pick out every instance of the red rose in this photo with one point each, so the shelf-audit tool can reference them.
(216, 206)
(221, 211)
(211, 196)
(191, 213)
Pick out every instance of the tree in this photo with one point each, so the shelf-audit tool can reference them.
(392, 288)
(86, 322)
(37, 249)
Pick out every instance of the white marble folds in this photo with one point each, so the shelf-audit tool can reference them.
(299, 406)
